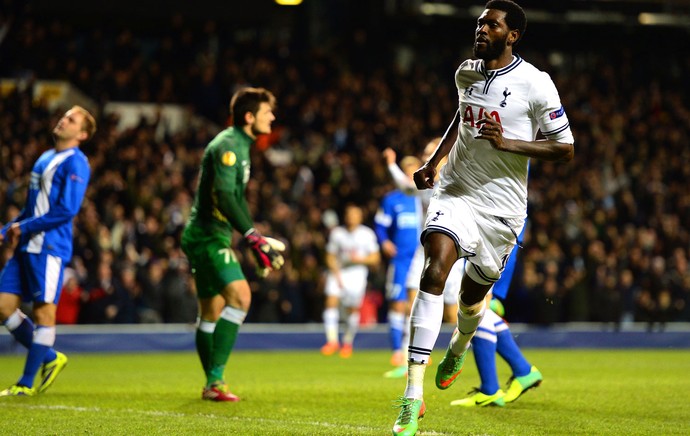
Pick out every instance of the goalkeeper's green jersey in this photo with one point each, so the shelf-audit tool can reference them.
(219, 202)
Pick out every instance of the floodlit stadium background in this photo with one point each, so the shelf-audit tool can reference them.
(609, 237)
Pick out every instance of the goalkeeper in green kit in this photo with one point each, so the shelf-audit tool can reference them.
(219, 208)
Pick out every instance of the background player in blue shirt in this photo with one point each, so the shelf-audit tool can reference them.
(42, 239)
(398, 225)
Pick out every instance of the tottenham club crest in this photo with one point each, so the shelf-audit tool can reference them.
(505, 97)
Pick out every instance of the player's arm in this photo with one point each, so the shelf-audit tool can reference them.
(233, 205)
(544, 149)
(71, 182)
(332, 264)
(3, 231)
(424, 176)
(400, 179)
(371, 259)
(383, 220)
(331, 258)
(229, 201)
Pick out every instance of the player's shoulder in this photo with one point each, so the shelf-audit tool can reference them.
(529, 71)
(470, 65)
(366, 230)
(468, 72)
(229, 137)
(338, 232)
(75, 157)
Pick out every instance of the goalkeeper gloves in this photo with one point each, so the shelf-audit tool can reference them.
(266, 251)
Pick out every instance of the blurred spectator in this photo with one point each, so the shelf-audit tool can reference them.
(609, 235)
(70, 299)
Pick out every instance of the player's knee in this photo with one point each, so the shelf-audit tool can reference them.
(433, 279)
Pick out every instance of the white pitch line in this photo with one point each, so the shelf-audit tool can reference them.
(208, 415)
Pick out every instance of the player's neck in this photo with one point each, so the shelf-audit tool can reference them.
(248, 130)
(64, 145)
(500, 62)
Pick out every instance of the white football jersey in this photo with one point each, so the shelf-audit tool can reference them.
(345, 244)
(524, 100)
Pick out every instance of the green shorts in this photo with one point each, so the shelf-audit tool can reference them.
(212, 261)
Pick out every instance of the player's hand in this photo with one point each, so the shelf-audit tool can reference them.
(424, 176)
(492, 131)
(12, 234)
(266, 251)
(389, 249)
(389, 156)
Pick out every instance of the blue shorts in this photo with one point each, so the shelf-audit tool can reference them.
(34, 277)
(396, 289)
(501, 287)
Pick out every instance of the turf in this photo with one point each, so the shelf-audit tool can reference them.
(585, 392)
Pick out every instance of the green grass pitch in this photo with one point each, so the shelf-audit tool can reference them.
(585, 392)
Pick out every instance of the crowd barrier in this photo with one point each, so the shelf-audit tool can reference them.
(179, 337)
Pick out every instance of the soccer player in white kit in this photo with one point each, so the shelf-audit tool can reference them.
(351, 250)
(480, 205)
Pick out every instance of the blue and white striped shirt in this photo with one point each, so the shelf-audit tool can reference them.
(56, 190)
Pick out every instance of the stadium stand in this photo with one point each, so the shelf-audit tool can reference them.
(609, 238)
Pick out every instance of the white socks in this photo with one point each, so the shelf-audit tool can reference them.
(468, 321)
(425, 321)
(330, 322)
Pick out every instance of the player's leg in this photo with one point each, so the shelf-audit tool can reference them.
(414, 275)
(396, 293)
(224, 297)
(201, 259)
(484, 348)
(331, 316)
(237, 296)
(451, 292)
(209, 312)
(352, 301)
(12, 282)
(470, 313)
(41, 277)
(525, 376)
(351, 329)
(425, 321)
(15, 321)
(41, 347)
(400, 361)
(493, 239)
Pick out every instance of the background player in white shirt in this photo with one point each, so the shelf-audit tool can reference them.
(480, 204)
(351, 250)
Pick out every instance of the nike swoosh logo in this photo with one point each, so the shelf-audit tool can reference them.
(450, 380)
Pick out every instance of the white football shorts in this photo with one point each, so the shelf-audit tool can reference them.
(485, 240)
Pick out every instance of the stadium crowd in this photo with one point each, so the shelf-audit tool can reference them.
(609, 233)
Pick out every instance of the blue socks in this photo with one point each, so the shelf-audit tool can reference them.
(509, 351)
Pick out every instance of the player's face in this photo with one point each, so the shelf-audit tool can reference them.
(353, 217)
(70, 127)
(491, 35)
(263, 119)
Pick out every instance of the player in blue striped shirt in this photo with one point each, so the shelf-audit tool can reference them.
(42, 239)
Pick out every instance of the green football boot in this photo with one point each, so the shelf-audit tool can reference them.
(50, 371)
(519, 385)
(410, 412)
(479, 399)
(449, 369)
(397, 372)
(17, 391)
